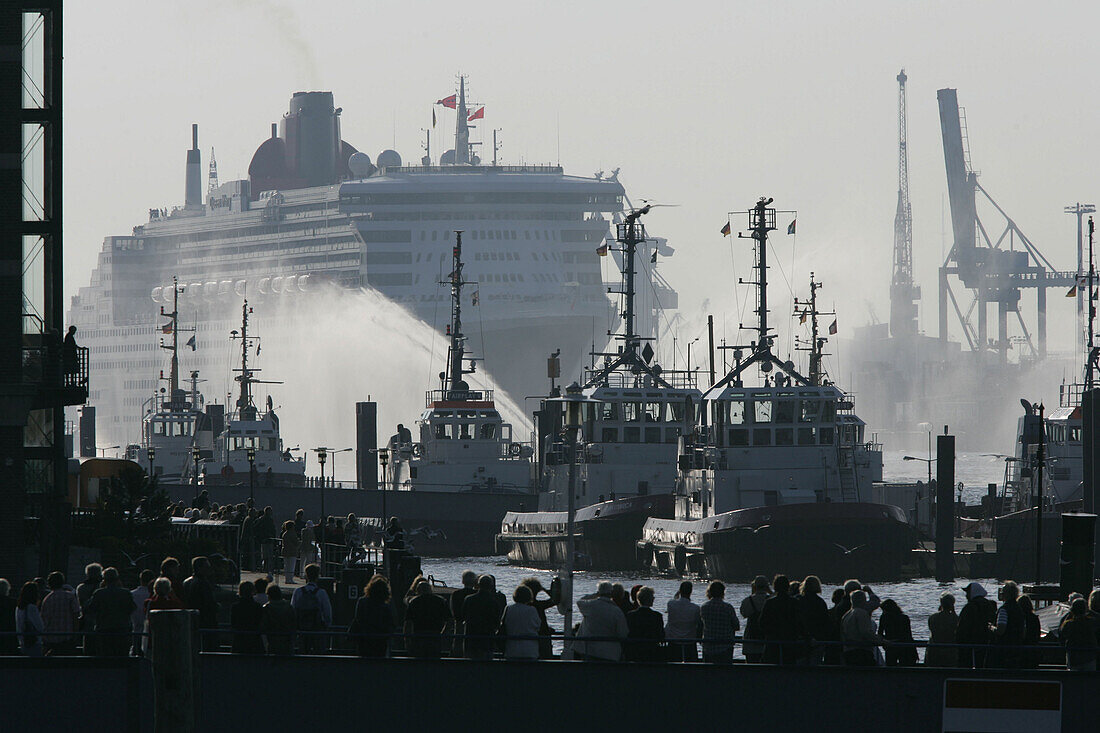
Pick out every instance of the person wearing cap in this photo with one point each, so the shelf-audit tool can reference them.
(604, 623)
(975, 620)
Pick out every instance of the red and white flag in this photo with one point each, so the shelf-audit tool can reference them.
(449, 102)
(480, 114)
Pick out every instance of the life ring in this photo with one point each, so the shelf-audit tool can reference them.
(648, 552)
(515, 449)
(416, 450)
(679, 559)
(227, 471)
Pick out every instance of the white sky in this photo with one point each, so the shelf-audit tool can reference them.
(707, 105)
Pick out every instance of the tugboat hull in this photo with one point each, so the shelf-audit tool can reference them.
(834, 541)
(606, 533)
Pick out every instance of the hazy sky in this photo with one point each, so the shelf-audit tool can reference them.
(706, 105)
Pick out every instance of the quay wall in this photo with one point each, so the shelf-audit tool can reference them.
(89, 694)
(460, 523)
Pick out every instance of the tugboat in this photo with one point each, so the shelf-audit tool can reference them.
(626, 472)
(780, 477)
(464, 445)
(251, 440)
(173, 422)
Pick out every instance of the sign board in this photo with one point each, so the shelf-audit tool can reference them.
(1001, 706)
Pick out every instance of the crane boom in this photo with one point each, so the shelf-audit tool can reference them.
(903, 293)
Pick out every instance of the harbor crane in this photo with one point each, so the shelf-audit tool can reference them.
(903, 293)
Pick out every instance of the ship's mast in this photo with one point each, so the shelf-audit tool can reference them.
(456, 352)
(1090, 365)
(462, 129)
(808, 309)
(245, 409)
(629, 234)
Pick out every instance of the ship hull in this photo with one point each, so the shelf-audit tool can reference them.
(605, 534)
(834, 541)
(438, 524)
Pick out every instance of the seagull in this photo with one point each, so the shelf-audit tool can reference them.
(133, 560)
(846, 551)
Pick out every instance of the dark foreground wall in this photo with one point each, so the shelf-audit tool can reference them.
(331, 693)
(75, 694)
(588, 696)
(452, 523)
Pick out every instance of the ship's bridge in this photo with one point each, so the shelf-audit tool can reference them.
(657, 415)
(778, 416)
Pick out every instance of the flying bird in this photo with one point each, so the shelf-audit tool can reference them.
(846, 551)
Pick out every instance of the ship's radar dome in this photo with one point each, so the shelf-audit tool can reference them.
(359, 164)
(447, 158)
(155, 295)
(389, 159)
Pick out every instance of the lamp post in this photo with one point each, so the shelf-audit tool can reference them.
(334, 452)
(252, 473)
(195, 473)
(384, 457)
(929, 461)
(322, 455)
(689, 354)
(574, 402)
(152, 453)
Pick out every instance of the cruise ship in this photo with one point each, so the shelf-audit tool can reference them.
(313, 213)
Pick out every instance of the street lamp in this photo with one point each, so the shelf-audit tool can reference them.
(689, 354)
(195, 475)
(322, 456)
(152, 453)
(384, 457)
(334, 452)
(252, 472)
(929, 461)
(574, 402)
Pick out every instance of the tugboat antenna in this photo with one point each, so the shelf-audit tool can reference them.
(456, 352)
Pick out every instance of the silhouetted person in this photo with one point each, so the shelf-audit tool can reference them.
(425, 619)
(1032, 633)
(1078, 636)
(520, 624)
(646, 630)
(110, 608)
(976, 617)
(481, 614)
(942, 626)
(198, 594)
(9, 644)
(813, 620)
(245, 621)
(720, 625)
(469, 587)
(546, 649)
(682, 623)
(69, 354)
(373, 625)
(394, 536)
(780, 623)
(277, 622)
(894, 627)
(312, 609)
(1010, 628)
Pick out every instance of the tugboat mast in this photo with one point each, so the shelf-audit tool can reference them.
(456, 352)
(1090, 363)
(629, 234)
(808, 309)
(174, 395)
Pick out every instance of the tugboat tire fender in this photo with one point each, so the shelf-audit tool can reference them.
(679, 558)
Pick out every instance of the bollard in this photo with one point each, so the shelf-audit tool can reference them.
(945, 507)
(174, 643)
(1076, 568)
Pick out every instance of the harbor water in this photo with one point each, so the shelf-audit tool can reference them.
(918, 598)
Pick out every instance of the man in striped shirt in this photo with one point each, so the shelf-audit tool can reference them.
(720, 625)
(60, 612)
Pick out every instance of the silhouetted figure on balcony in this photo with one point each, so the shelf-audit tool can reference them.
(69, 359)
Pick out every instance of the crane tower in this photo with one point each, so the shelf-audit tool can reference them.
(903, 293)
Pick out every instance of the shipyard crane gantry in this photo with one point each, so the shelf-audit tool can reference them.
(903, 293)
(993, 270)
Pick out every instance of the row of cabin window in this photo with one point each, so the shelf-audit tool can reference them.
(765, 411)
(783, 436)
(253, 442)
(637, 435)
(172, 428)
(1063, 433)
(641, 412)
(465, 431)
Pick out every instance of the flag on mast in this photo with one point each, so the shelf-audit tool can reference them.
(191, 343)
(802, 317)
(450, 102)
(790, 227)
(166, 328)
(478, 115)
(726, 229)
(832, 328)
(433, 118)
(602, 250)
(1072, 292)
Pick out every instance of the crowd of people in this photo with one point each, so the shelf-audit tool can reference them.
(778, 622)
